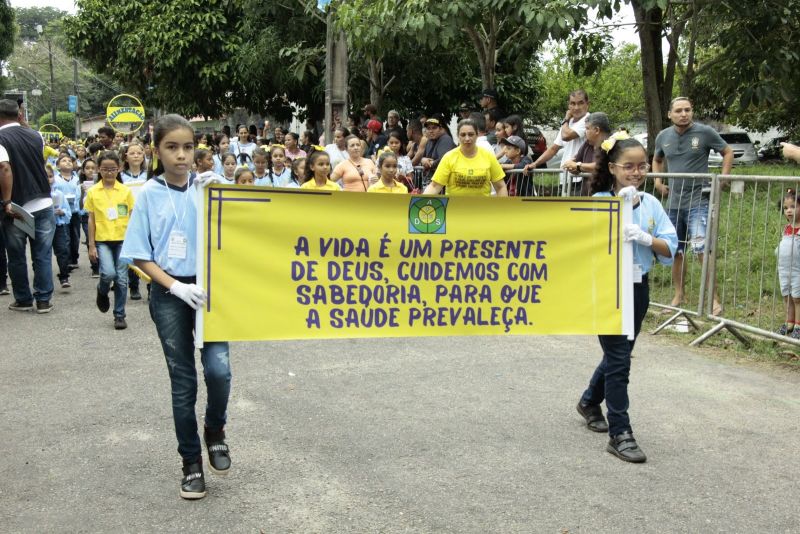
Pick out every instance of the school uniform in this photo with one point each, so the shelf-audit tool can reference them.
(129, 177)
(243, 153)
(72, 193)
(112, 209)
(610, 380)
(163, 229)
(273, 179)
(61, 236)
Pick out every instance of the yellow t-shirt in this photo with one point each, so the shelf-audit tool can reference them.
(329, 186)
(109, 225)
(463, 176)
(379, 187)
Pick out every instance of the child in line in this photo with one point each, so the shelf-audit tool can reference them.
(515, 151)
(387, 171)
(67, 181)
(109, 204)
(788, 252)
(405, 169)
(261, 162)
(243, 147)
(621, 168)
(279, 173)
(244, 176)
(229, 168)
(133, 167)
(222, 145)
(203, 160)
(87, 178)
(318, 172)
(292, 149)
(61, 237)
(161, 241)
(298, 173)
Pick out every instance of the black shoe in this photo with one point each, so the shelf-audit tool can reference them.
(193, 485)
(95, 273)
(119, 323)
(65, 284)
(219, 458)
(103, 303)
(72, 266)
(43, 306)
(135, 295)
(624, 447)
(594, 417)
(20, 306)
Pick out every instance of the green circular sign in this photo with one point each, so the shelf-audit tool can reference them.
(427, 215)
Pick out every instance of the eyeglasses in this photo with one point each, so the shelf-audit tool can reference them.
(630, 167)
(108, 170)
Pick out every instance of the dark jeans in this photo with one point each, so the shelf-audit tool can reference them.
(41, 251)
(174, 321)
(113, 269)
(3, 259)
(74, 237)
(85, 226)
(61, 251)
(610, 380)
(133, 281)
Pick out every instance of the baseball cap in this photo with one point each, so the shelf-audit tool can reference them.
(436, 118)
(491, 93)
(375, 126)
(517, 141)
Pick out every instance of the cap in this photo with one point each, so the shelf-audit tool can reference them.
(491, 93)
(517, 141)
(436, 119)
(465, 107)
(375, 126)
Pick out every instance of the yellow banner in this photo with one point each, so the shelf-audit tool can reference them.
(290, 264)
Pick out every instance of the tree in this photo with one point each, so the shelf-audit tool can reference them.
(30, 17)
(495, 28)
(7, 29)
(615, 88)
(64, 120)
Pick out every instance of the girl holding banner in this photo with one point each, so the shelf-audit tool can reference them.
(161, 241)
(621, 168)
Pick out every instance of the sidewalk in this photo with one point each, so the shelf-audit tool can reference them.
(402, 435)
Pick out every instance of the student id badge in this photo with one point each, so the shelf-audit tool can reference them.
(111, 213)
(637, 273)
(178, 243)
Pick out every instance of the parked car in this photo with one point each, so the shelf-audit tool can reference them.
(772, 149)
(744, 152)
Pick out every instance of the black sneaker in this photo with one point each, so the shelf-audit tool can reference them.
(119, 323)
(624, 447)
(193, 485)
(20, 306)
(43, 306)
(135, 294)
(65, 284)
(103, 303)
(95, 273)
(219, 458)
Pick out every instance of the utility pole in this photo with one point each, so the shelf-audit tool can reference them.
(335, 77)
(52, 80)
(77, 99)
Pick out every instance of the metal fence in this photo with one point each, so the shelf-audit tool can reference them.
(730, 277)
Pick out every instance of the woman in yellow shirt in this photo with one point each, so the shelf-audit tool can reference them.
(318, 170)
(109, 204)
(468, 170)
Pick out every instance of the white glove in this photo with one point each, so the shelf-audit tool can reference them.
(207, 178)
(191, 294)
(633, 232)
(628, 193)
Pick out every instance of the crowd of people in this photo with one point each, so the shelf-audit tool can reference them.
(71, 189)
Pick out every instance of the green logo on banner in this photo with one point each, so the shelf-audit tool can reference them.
(427, 216)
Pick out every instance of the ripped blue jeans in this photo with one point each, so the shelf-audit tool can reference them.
(174, 321)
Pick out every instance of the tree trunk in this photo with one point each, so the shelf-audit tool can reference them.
(376, 87)
(650, 24)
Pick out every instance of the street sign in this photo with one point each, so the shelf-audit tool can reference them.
(72, 103)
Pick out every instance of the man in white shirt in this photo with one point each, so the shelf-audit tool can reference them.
(570, 138)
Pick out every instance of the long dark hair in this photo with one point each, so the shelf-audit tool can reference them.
(310, 163)
(165, 125)
(602, 179)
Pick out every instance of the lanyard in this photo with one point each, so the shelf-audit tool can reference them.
(179, 222)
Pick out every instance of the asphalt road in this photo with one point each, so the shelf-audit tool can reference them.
(403, 435)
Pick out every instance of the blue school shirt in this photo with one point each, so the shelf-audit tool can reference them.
(218, 168)
(273, 179)
(59, 202)
(128, 177)
(71, 190)
(160, 209)
(649, 214)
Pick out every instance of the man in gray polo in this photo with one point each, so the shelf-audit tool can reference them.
(685, 147)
